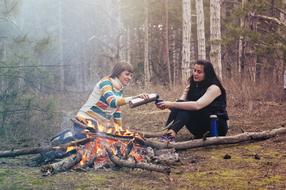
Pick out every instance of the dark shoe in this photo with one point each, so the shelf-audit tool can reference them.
(167, 138)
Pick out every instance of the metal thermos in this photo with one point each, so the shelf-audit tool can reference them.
(214, 130)
(140, 101)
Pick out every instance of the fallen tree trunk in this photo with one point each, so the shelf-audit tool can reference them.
(141, 165)
(243, 137)
(62, 165)
(36, 150)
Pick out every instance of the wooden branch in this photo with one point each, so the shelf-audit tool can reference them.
(243, 137)
(62, 165)
(276, 20)
(146, 134)
(36, 150)
(141, 165)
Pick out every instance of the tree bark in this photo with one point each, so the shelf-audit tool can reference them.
(166, 41)
(241, 44)
(141, 165)
(215, 36)
(186, 50)
(201, 29)
(147, 75)
(244, 137)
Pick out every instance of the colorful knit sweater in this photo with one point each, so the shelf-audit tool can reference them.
(103, 104)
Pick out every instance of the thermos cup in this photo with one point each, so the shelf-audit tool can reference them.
(214, 130)
(140, 101)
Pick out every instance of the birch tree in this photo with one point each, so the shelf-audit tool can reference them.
(60, 36)
(240, 43)
(166, 42)
(201, 29)
(215, 36)
(186, 49)
(147, 75)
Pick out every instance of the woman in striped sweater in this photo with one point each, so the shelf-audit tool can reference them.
(102, 109)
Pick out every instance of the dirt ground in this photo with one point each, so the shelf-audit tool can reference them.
(251, 165)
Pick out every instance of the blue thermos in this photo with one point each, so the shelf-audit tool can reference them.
(214, 130)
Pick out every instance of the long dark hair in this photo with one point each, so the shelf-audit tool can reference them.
(210, 76)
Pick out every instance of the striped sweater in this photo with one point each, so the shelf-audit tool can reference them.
(103, 104)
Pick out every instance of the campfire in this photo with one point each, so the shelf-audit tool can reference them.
(123, 148)
(105, 148)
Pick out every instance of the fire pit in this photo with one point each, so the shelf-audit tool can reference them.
(121, 148)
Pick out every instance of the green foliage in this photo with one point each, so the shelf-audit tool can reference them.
(267, 37)
(25, 108)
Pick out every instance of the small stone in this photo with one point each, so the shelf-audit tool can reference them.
(227, 156)
(257, 157)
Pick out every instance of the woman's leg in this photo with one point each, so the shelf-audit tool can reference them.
(181, 118)
(200, 127)
(172, 116)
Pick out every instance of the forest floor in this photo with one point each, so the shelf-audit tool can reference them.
(255, 165)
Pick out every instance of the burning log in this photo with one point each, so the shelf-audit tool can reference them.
(134, 164)
(243, 137)
(62, 165)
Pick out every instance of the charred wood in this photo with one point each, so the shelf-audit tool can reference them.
(133, 164)
(48, 157)
(62, 165)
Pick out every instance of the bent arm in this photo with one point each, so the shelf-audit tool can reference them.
(112, 100)
(210, 95)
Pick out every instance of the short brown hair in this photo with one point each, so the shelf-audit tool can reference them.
(120, 67)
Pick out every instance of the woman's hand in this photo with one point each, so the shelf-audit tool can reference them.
(164, 104)
(143, 96)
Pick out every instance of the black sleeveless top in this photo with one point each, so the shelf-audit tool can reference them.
(218, 106)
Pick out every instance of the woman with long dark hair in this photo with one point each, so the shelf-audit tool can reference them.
(203, 96)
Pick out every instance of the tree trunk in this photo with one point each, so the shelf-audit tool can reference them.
(60, 35)
(201, 29)
(283, 20)
(215, 36)
(241, 45)
(243, 137)
(174, 57)
(250, 57)
(147, 75)
(186, 50)
(128, 44)
(166, 58)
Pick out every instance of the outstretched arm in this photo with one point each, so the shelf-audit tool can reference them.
(212, 93)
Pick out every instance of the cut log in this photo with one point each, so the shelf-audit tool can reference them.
(36, 150)
(210, 141)
(152, 134)
(133, 164)
(62, 165)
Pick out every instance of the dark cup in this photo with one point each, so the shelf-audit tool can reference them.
(158, 101)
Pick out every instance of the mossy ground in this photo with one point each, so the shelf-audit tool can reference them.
(256, 165)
